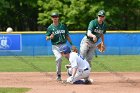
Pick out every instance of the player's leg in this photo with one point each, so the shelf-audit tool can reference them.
(69, 72)
(90, 53)
(81, 75)
(86, 79)
(95, 52)
(84, 47)
(55, 49)
(76, 80)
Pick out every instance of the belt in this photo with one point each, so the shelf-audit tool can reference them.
(86, 69)
(83, 70)
(91, 40)
(59, 43)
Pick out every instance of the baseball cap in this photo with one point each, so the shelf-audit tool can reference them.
(66, 49)
(54, 14)
(101, 13)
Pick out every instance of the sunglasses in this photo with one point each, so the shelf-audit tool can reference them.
(101, 16)
(54, 16)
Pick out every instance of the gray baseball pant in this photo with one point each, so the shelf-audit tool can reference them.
(87, 49)
(58, 56)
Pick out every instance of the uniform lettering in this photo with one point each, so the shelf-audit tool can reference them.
(59, 32)
(98, 31)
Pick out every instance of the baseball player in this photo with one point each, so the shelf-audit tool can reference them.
(58, 34)
(96, 30)
(79, 68)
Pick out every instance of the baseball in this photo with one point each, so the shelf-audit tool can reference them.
(9, 30)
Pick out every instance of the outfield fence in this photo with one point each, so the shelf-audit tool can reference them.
(34, 43)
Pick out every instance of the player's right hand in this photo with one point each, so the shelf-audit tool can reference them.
(94, 38)
(51, 36)
(70, 79)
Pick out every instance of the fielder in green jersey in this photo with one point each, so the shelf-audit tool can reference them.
(96, 30)
(58, 34)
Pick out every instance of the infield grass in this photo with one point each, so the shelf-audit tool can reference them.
(14, 90)
(129, 63)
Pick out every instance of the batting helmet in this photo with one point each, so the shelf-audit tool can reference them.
(66, 49)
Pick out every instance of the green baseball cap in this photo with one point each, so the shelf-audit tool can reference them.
(101, 13)
(54, 14)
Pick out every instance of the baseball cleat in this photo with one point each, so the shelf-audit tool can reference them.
(89, 81)
(58, 78)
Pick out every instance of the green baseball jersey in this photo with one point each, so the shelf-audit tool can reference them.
(96, 29)
(60, 32)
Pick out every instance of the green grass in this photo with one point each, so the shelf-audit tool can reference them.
(128, 63)
(14, 90)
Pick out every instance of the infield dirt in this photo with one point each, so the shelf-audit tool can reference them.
(44, 82)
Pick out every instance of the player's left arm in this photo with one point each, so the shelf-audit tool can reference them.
(74, 67)
(69, 39)
(67, 34)
(71, 78)
(74, 70)
(101, 46)
(73, 48)
(102, 35)
(102, 39)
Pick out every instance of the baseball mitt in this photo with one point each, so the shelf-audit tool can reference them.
(67, 66)
(100, 47)
(74, 49)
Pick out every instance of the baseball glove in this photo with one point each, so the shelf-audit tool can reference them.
(74, 49)
(100, 47)
(67, 66)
